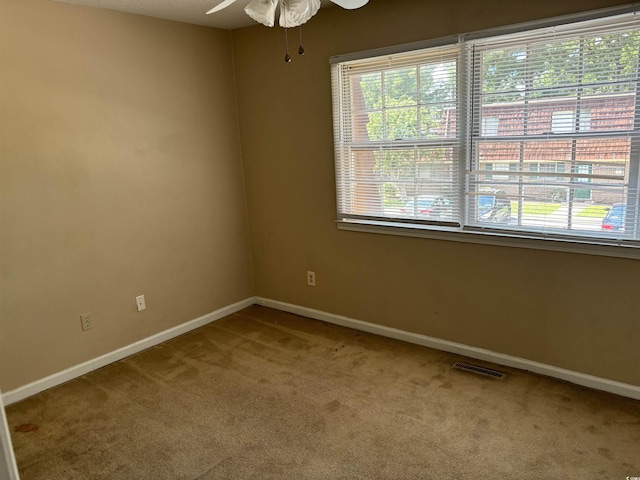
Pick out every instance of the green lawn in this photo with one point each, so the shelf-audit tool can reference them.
(594, 211)
(536, 208)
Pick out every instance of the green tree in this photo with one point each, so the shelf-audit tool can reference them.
(407, 104)
(419, 102)
(559, 68)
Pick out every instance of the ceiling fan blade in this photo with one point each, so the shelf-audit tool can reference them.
(350, 4)
(220, 6)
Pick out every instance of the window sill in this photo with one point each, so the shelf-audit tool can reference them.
(570, 245)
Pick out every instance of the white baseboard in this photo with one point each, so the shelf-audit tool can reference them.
(619, 388)
(76, 371)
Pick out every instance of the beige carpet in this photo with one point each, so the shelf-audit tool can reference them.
(263, 394)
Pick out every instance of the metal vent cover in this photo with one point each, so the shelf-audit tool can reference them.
(467, 367)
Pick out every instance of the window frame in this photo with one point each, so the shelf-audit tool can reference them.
(463, 232)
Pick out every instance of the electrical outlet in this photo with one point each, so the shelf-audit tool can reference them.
(311, 279)
(140, 303)
(86, 322)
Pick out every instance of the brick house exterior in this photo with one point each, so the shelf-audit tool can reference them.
(560, 150)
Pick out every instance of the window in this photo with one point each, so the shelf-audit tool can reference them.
(422, 126)
(403, 139)
(489, 126)
(546, 167)
(565, 121)
(500, 167)
(585, 120)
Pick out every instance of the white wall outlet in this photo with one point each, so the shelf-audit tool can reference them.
(86, 322)
(311, 279)
(140, 303)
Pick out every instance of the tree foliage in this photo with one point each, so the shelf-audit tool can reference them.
(407, 104)
(419, 102)
(595, 64)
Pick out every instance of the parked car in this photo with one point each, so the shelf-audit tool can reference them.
(493, 206)
(429, 207)
(614, 220)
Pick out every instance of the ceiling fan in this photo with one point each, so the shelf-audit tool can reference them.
(293, 13)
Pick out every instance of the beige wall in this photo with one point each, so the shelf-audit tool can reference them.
(121, 175)
(574, 311)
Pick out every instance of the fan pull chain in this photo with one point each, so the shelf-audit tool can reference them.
(283, 7)
(301, 49)
(287, 57)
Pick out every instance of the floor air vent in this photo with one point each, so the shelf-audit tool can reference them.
(479, 370)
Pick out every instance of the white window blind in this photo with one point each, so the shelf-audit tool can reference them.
(565, 96)
(398, 143)
(533, 134)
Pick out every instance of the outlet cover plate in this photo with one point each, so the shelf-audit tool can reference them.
(311, 278)
(86, 322)
(140, 303)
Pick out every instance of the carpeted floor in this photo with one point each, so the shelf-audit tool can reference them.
(264, 394)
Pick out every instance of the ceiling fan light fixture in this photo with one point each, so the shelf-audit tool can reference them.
(262, 11)
(294, 13)
(350, 4)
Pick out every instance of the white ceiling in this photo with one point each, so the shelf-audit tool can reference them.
(189, 11)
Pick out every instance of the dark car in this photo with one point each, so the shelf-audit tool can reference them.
(614, 220)
(493, 207)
